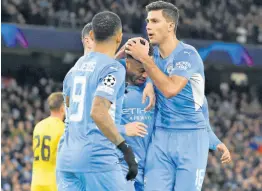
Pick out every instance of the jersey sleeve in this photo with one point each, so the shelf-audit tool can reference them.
(186, 64)
(213, 139)
(110, 82)
(66, 87)
(66, 90)
(60, 137)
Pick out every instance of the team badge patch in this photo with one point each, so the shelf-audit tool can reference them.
(109, 81)
(169, 68)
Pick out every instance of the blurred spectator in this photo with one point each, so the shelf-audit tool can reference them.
(235, 114)
(228, 20)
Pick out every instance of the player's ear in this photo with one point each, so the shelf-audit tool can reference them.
(91, 34)
(171, 26)
(85, 40)
(62, 109)
(119, 37)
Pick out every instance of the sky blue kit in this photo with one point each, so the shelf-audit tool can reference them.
(178, 153)
(87, 160)
(179, 148)
(133, 110)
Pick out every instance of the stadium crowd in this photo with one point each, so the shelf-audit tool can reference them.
(235, 117)
(22, 108)
(228, 20)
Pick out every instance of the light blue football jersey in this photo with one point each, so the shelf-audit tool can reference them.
(66, 92)
(134, 111)
(182, 111)
(85, 148)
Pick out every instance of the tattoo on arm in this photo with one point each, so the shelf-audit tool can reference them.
(103, 120)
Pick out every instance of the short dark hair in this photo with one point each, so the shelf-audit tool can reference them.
(105, 24)
(87, 28)
(170, 11)
(55, 101)
(150, 52)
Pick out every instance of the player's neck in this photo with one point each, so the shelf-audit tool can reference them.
(167, 47)
(129, 81)
(86, 51)
(57, 115)
(105, 48)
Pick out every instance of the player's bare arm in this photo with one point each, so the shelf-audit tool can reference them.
(100, 114)
(103, 120)
(169, 86)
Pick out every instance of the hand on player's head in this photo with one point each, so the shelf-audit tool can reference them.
(138, 41)
(138, 48)
(136, 73)
(141, 41)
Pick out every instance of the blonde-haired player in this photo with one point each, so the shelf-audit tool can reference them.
(46, 137)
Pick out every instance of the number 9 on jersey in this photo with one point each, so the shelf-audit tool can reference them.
(78, 98)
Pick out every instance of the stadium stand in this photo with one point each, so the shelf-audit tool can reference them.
(227, 20)
(22, 107)
(235, 116)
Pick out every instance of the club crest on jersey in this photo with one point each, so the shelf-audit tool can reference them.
(109, 81)
(169, 68)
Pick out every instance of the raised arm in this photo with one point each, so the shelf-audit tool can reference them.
(169, 85)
